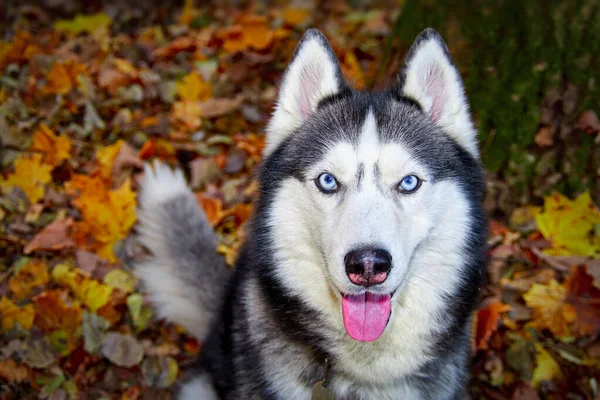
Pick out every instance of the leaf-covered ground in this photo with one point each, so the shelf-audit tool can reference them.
(85, 100)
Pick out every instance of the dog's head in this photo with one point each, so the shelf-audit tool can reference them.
(368, 197)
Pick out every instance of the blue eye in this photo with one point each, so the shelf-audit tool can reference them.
(327, 183)
(409, 184)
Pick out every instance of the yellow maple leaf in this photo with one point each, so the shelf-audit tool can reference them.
(106, 158)
(55, 149)
(92, 293)
(31, 175)
(547, 369)
(193, 88)
(63, 77)
(570, 225)
(550, 308)
(11, 314)
(34, 273)
(107, 215)
(84, 23)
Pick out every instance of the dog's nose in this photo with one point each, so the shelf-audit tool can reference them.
(368, 267)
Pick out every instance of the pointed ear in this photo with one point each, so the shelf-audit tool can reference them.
(313, 74)
(430, 77)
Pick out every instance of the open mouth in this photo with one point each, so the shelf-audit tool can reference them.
(366, 315)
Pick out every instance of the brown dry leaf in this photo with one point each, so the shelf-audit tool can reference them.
(12, 372)
(218, 107)
(55, 149)
(31, 275)
(107, 215)
(31, 175)
(582, 294)
(55, 236)
(544, 137)
(53, 312)
(487, 322)
(11, 314)
(182, 43)
(588, 122)
(62, 77)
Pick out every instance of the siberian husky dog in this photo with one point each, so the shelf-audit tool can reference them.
(366, 251)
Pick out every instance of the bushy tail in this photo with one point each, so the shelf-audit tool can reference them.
(185, 276)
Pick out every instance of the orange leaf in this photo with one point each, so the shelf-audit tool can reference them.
(213, 207)
(62, 77)
(107, 215)
(55, 236)
(22, 48)
(11, 314)
(54, 313)
(12, 372)
(352, 70)
(293, 16)
(188, 113)
(33, 274)
(30, 175)
(55, 149)
(487, 322)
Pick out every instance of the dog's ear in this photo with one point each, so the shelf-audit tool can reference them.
(313, 74)
(430, 77)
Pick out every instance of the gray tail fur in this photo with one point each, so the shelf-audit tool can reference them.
(185, 276)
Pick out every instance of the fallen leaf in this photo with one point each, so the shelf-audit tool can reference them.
(140, 314)
(31, 176)
(122, 350)
(122, 280)
(63, 77)
(11, 314)
(570, 225)
(53, 312)
(582, 294)
(294, 16)
(217, 107)
(55, 149)
(160, 372)
(107, 215)
(106, 158)
(188, 114)
(94, 331)
(31, 275)
(55, 236)
(487, 321)
(84, 23)
(36, 353)
(193, 88)
(12, 372)
(212, 206)
(550, 309)
(546, 369)
(588, 122)
(544, 137)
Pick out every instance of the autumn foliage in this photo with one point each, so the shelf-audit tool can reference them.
(83, 105)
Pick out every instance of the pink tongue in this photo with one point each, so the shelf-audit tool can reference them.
(366, 315)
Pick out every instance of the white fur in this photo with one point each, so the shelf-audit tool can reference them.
(172, 300)
(436, 85)
(309, 78)
(199, 388)
(309, 225)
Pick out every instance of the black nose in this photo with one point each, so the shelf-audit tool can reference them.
(368, 267)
